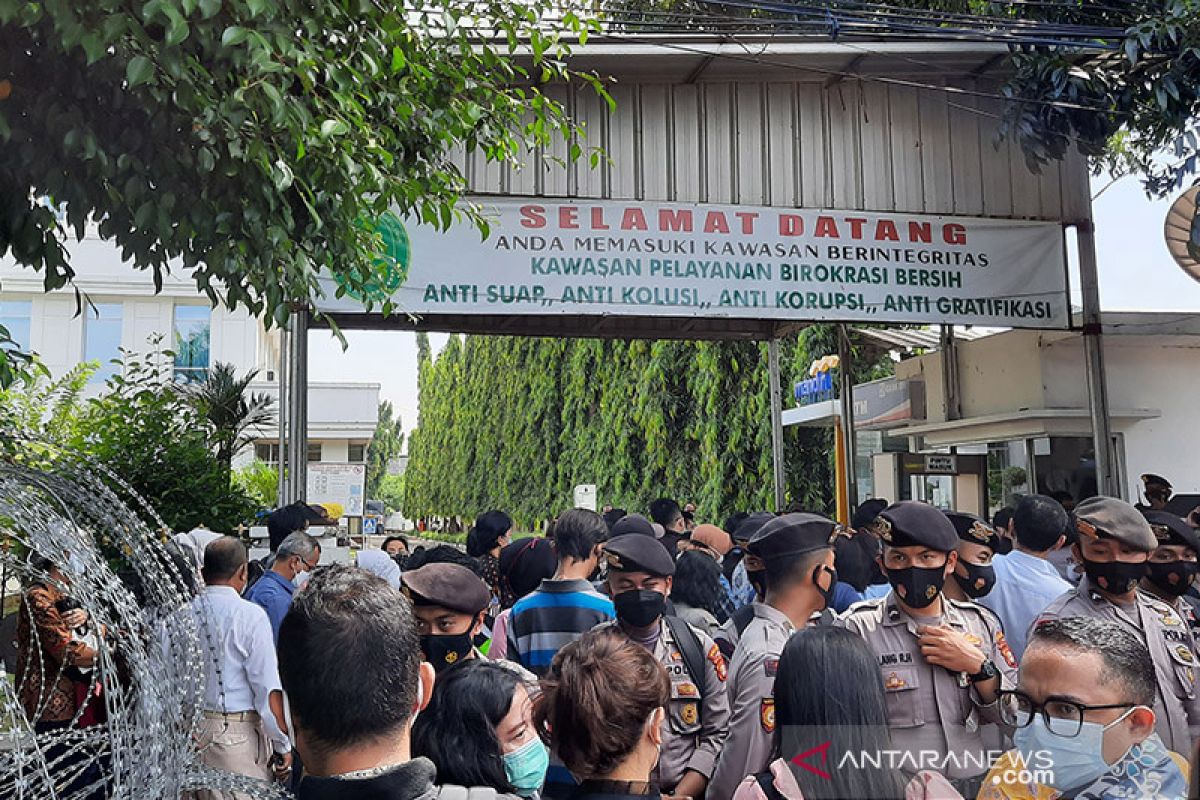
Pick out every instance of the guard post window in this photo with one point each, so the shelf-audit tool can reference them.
(102, 338)
(192, 324)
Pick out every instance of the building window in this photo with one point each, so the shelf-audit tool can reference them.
(267, 452)
(102, 338)
(357, 453)
(314, 451)
(16, 316)
(192, 324)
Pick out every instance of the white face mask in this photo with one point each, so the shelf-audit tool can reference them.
(300, 580)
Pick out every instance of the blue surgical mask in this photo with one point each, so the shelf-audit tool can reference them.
(1076, 761)
(526, 767)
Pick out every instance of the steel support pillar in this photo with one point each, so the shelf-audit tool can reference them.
(281, 407)
(776, 423)
(297, 411)
(1107, 480)
(846, 390)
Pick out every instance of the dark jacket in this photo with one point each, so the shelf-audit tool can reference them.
(615, 790)
(412, 780)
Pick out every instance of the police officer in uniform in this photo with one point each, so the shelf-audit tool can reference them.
(978, 542)
(797, 552)
(942, 661)
(750, 572)
(1173, 565)
(1115, 543)
(639, 579)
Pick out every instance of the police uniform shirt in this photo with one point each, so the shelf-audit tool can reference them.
(697, 716)
(752, 699)
(931, 709)
(1171, 646)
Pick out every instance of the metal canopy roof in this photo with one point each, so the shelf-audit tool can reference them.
(688, 59)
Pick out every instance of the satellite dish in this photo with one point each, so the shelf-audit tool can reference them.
(1182, 232)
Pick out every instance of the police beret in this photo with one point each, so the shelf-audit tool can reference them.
(634, 552)
(633, 524)
(973, 529)
(751, 525)
(451, 586)
(910, 523)
(1110, 518)
(1170, 529)
(792, 535)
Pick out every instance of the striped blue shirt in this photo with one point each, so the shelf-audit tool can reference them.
(548, 619)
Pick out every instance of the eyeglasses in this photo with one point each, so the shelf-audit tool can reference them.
(1062, 717)
(307, 566)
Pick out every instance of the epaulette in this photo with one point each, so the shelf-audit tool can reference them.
(863, 605)
(981, 610)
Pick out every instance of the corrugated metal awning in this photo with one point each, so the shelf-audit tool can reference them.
(922, 338)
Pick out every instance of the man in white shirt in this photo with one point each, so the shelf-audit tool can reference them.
(1026, 582)
(243, 730)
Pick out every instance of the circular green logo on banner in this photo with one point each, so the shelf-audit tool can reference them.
(390, 265)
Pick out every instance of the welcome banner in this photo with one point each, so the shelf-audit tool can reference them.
(584, 257)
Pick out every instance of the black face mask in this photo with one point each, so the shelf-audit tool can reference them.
(917, 587)
(444, 652)
(978, 581)
(826, 594)
(758, 579)
(1172, 577)
(1118, 577)
(640, 608)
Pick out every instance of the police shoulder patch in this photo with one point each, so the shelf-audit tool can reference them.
(718, 661)
(771, 666)
(1005, 651)
(766, 714)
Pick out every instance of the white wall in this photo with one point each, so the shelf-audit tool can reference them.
(1155, 376)
(57, 334)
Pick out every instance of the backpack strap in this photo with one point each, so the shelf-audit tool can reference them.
(689, 647)
(741, 618)
(766, 782)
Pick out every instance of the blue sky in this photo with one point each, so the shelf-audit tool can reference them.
(1136, 273)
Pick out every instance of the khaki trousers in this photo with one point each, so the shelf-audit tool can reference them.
(234, 745)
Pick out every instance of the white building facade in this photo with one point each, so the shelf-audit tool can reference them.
(121, 311)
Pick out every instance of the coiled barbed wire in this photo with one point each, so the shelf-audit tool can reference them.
(112, 550)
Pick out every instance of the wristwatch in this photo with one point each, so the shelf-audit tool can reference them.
(986, 672)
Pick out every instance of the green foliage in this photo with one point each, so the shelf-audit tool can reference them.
(15, 364)
(258, 481)
(1134, 109)
(386, 444)
(251, 139)
(142, 428)
(231, 412)
(517, 423)
(391, 493)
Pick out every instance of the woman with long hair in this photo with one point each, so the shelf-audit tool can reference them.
(830, 707)
(603, 703)
(696, 591)
(491, 532)
(478, 731)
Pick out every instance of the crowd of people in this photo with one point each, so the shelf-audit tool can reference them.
(1048, 652)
